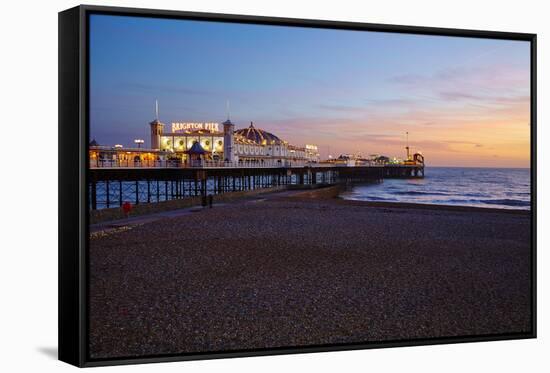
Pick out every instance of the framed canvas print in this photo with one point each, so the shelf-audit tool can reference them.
(237, 186)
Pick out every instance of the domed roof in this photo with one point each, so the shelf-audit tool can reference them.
(196, 149)
(258, 135)
(156, 121)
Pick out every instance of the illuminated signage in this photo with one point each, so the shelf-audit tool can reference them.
(193, 126)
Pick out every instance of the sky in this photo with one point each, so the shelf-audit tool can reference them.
(465, 102)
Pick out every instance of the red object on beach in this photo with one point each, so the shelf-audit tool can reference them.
(126, 207)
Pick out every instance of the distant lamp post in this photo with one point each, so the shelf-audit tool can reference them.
(139, 142)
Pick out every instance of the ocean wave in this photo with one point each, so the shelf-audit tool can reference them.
(473, 195)
(519, 193)
(359, 197)
(372, 198)
(458, 201)
(506, 202)
(500, 202)
(419, 193)
(506, 189)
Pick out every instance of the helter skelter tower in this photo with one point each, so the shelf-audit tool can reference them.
(156, 129)
(408, 148)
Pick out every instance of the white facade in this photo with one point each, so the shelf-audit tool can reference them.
(245, 145)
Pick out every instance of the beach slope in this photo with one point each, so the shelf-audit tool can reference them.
(296, 272)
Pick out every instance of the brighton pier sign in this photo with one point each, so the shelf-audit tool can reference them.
(195, 126)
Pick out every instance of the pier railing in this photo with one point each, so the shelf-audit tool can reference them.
(115, 163)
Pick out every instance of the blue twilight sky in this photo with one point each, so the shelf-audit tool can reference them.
(464, 101)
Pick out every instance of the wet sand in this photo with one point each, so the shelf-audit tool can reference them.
(296, 272)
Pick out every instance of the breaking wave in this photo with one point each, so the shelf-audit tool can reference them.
(481, 187)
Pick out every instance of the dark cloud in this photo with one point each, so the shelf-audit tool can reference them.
(392, 102)
(457, 95)
(486, 99)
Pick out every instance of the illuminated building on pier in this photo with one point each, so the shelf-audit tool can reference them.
(215, 143)
(249, 144)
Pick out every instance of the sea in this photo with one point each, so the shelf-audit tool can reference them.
(505, 188)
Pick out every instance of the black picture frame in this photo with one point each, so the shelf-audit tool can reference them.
(73, 161)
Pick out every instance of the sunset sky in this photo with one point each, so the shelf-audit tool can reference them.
(464, 101)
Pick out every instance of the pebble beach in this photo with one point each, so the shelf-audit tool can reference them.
(293, 272)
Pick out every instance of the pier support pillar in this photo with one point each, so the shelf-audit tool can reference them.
(107, 193)
(120, 201)
(93, 195)
(137, 192)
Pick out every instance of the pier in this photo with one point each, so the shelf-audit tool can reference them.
(143, 183)
(208, 159)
